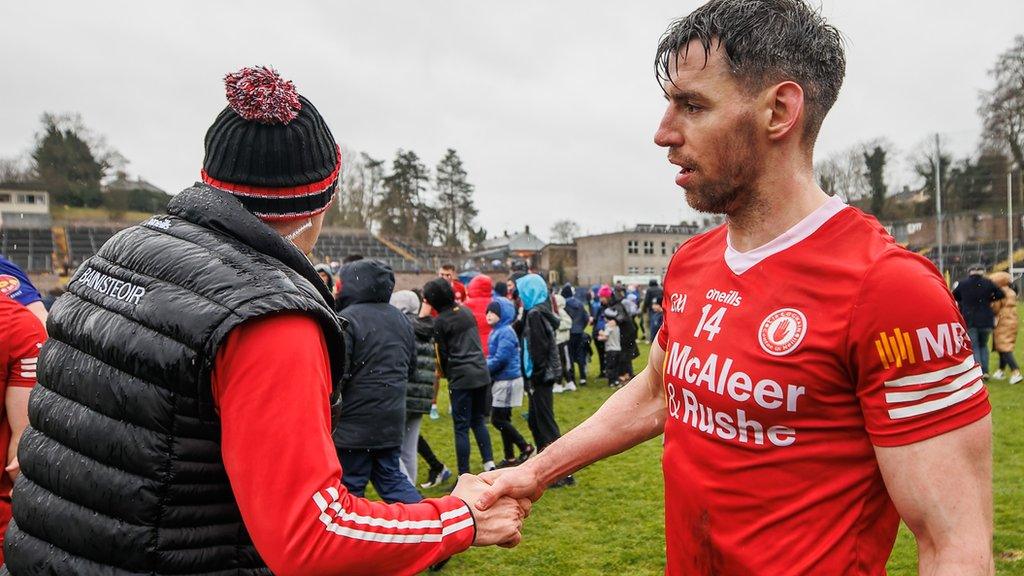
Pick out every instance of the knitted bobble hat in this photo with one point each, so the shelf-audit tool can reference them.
(271, 149)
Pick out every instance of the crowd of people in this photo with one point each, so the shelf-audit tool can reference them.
(494, 342)
(989, 307)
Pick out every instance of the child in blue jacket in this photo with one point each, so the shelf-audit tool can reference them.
(505, 368)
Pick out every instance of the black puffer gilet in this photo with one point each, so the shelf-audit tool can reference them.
(121, 465)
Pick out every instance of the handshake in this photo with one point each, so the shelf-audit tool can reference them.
(500, 500)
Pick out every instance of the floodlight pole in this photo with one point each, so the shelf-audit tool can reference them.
(938, 204)
(1009, 215)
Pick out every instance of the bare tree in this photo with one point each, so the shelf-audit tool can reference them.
(1002, 107)
(15, 170)
(564, 231)
(842, 174)
(360, 189)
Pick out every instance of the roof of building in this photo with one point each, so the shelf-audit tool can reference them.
(521, 242)
(684, 228)
(123, 182)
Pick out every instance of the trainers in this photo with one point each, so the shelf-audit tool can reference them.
(437, 477)
(434, 414)
(508, 463)
(525, 454)
(489, 465)
(570, 387)
(558, 389)
(1016, 378)
(999, 375)
(583, 382)
(564, 482)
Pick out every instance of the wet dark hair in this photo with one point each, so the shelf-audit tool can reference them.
(765, 42)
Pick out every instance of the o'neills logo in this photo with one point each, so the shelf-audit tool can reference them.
(782, 331)
(731, 298)
(109, 286)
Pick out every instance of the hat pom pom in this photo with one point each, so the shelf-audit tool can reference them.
(259, 94)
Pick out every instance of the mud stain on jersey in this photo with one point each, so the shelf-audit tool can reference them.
(709, 560)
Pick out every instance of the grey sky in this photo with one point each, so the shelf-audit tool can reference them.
(552, 105)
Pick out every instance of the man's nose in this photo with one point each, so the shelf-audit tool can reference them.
(668, 134)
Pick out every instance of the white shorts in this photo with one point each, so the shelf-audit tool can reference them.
(507, 393)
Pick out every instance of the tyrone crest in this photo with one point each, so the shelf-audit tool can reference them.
(782, 331)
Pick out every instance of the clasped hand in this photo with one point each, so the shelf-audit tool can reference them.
(502, 522)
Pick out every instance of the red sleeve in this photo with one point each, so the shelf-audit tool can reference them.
(910, 356)
(663, 332)
(271, 386)
(25, 336)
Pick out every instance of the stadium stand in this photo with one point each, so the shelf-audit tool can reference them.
(84, 241)
(337, 244)
(30, 248)
(958, 258)
(428, 257)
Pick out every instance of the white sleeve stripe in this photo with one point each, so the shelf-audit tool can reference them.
(334, 523)
(27, 361)
(934, 405)
(28, 374)
(960, 382)
(932, 377)
(383, 536)
(453, 528)
(454, 513)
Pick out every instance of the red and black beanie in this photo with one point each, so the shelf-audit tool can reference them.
(271, 149)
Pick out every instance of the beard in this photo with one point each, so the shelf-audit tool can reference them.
(723, 190)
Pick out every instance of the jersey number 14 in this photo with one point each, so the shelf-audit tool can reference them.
(710, 322)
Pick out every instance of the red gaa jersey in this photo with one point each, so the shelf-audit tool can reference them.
(21, 337)
(784, 367)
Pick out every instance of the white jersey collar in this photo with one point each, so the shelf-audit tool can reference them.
(740, 262)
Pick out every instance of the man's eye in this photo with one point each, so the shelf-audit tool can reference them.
(691, 109)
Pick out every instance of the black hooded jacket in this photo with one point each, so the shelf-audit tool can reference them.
(381, 352)
(459, 351)
(121, 465)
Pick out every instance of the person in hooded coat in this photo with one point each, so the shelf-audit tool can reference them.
(503, 362)
(541, 364)
(420, 393)
(480, 293)
(654, 310)
(577, 310)
(1004, 337)
(627, 329)
(461, 360)
(381, 352)
(562, 341)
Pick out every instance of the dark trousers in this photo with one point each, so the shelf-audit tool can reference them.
(599, 346)
(469, 412)
(613, 369)
(1006, 360)
(511, 439)
(423, 448)
(979, 344)
(563, 354)
(654, 320)
(542, 415)
(360, 467)
(577, 357)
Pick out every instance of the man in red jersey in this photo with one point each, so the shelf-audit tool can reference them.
(21, 338)
(805, 409)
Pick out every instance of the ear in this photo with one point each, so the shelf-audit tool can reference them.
(786, 103)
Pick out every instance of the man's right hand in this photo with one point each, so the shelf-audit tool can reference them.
(501, 523)
(519, 482)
